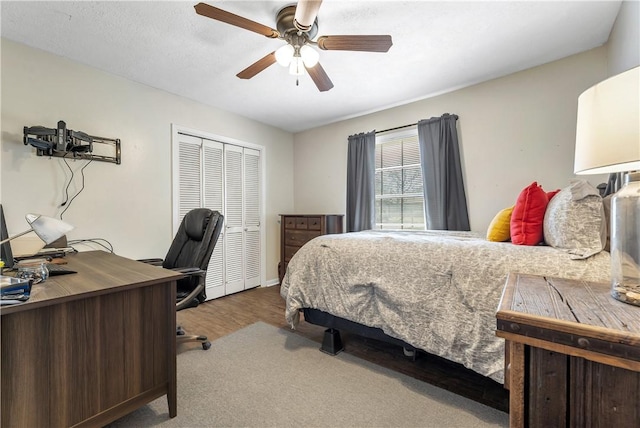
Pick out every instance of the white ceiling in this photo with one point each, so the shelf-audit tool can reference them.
(438, 46)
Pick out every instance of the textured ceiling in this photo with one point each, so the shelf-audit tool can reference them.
(437, 47)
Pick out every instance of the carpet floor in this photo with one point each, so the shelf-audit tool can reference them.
(263, 376)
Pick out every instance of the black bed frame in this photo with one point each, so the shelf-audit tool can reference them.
(332, 342)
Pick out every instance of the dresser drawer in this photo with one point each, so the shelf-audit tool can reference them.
(298, 238)
(301, 223)
(289, 251)
(314, 223)
(290, 222)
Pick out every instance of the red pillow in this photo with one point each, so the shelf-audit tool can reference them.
(552, 193)
(528, 216)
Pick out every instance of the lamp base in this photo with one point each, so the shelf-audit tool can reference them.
(625, 241)
(626, 296)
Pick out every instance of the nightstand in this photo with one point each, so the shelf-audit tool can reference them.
(572, 354)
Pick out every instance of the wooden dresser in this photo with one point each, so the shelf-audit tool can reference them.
(573, 354)
(296, 230)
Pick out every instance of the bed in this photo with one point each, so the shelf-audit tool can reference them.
(434, 290)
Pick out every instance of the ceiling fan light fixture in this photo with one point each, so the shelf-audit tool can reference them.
(309, 56)
(297, 66)
(284, 54)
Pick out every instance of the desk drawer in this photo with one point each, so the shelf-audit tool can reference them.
(298, 238)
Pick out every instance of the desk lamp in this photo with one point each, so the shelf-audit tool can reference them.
(608, 141)
(47, 228)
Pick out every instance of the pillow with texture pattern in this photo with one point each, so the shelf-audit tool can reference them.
(575, 220)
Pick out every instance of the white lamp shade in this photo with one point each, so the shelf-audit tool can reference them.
(608, 126)
(284, 55)
(309, 55)
(48, 228)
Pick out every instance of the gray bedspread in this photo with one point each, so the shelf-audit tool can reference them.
(437, 291)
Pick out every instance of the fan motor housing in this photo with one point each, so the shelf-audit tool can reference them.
(285, 26)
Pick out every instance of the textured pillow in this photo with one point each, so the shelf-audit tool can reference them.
(528, 216)
(575, 220)
(499, 227)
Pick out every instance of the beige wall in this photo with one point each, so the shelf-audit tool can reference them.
(129, 204)
(624, 41)
(513, 130)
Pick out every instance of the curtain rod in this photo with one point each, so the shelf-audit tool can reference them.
(396, 128)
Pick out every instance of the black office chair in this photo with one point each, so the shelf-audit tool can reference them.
(189, 254)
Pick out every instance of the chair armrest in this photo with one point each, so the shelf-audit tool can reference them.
(184, 303)
(190, 271)
(154, 262)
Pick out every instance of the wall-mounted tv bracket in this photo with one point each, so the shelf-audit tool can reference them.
(62, 142)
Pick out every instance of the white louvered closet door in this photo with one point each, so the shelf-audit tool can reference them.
(234, 252)
(252, 203)
(189, 176)
(213, 188)
(228, 178)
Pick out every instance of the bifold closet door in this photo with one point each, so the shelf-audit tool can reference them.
(243, 202)
(189, 176)
(252, 204)
(213, 190)
(234, 254)
(227, 178)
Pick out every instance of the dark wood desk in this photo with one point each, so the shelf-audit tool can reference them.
(90, 347)
(573, 354)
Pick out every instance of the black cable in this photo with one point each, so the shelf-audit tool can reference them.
(79, 191)
(66, 189)
(92, 240)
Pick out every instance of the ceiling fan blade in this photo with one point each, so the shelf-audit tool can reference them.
(232, 19)
(380, 43)
(320, 77)
(258, 66)
(306, 13)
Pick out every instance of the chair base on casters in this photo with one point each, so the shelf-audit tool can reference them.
(194, 338)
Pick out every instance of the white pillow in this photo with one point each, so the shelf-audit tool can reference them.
(575, 220)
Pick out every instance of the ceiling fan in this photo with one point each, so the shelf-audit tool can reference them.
(297, 25)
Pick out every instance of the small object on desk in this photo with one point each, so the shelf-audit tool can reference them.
(14, 290)
(34, 269)
(58, 269)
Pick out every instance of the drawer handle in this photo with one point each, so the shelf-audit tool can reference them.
(514, 326)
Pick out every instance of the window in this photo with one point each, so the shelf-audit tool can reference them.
(399, 198)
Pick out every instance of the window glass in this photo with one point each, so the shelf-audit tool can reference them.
(399, 200)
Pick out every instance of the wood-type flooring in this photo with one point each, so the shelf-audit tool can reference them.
(219, 317)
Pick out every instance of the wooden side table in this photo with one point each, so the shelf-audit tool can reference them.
(572, 354)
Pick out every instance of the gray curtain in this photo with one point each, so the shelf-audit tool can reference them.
(614, 183)
(361, 191)
(445, 204)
